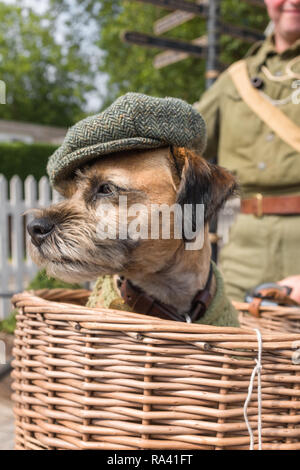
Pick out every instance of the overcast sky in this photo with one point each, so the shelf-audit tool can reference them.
(39, 6)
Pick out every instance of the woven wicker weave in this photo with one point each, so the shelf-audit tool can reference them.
(101, 379)
(271, 319)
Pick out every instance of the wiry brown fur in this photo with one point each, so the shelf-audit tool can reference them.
(163, 268)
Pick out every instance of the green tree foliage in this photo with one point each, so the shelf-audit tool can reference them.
(130, 67)
(46, 82)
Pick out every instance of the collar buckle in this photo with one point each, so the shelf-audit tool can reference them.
(187, 318)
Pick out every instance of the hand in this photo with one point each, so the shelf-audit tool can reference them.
(294, 283)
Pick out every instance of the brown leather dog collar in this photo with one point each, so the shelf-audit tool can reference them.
(147, 305)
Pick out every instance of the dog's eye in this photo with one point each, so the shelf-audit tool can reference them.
(105, 189)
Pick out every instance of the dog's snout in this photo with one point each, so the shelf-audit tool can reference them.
(40, 229)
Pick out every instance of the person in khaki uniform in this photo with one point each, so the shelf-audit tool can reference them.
(263, 151)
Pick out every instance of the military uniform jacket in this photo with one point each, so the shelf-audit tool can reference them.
(265, 249)
(243, 143)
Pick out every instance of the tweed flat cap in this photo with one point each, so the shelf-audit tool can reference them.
(133, 121)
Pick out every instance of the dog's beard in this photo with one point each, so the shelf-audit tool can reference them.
(74, 254)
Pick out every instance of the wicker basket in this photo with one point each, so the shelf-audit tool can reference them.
(102, 379)
(270, 318)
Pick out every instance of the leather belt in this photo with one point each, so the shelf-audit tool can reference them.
(277, 205)
(140, 302)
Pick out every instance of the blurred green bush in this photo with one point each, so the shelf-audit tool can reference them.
(40, 281)
(22, 159)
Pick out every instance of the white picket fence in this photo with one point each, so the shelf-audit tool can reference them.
(16, 267)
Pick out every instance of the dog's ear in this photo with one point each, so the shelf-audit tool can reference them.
(203, 182)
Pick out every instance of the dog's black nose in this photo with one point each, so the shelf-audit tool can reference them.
(40, 229)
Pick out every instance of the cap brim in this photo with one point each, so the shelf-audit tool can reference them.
(60, 168)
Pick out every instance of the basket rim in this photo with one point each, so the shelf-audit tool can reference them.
(33, 302)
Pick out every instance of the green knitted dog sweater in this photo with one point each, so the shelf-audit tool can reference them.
(221, 312)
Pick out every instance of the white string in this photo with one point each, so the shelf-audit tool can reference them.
(256, 370)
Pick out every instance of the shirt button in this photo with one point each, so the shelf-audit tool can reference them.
(261, 166)
(278, 73)
(257, 82)
(270, 137)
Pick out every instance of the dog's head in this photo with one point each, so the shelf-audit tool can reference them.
(116, 217)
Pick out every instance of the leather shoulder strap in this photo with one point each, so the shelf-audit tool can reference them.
(286, 129)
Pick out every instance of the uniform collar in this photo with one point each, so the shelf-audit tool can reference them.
(266, 49)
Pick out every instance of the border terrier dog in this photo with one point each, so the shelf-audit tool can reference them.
(79, 239)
